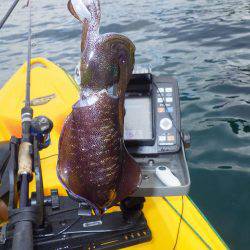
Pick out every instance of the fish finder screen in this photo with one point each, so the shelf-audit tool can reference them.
(138, 119)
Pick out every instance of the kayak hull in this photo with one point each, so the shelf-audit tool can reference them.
(175, 222)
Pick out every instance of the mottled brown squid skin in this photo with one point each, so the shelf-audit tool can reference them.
(93, 163)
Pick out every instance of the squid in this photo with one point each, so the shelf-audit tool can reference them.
(93, 163)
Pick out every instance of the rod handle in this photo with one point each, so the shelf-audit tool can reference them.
(24, 159)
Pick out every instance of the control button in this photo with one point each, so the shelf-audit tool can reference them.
(169, 144)
(171, 138)
(162, 143)
(159, 100)
(162, 138)
(169, 99)
(170, 109)
(166, 124)
(166, 143)
(161, 90)
(160, 110)
(168, 90)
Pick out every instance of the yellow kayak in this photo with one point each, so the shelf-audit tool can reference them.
(57, 91)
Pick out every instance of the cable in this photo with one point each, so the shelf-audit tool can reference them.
(104, 231)
(68, 227)
(167, 112)
(178, 231)
(130, 226)
(62, 211)
(46, 157)
(182, 139)
(181, 218)
(60, 232)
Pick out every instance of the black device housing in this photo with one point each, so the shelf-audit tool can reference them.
(148, 153)
(148, 85)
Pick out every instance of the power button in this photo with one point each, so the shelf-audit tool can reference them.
(166, 124)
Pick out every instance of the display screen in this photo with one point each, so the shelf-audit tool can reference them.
(138, 119)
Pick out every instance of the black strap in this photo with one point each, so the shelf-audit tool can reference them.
(4, 157)
(4, 168)
(23, 214)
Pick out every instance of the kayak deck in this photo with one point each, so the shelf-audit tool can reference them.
(170, 229)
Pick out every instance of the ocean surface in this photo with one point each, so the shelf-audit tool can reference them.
(206, 46)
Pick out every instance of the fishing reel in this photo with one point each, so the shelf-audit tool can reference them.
(41, 127)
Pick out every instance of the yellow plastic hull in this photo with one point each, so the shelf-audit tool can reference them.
(163, 214)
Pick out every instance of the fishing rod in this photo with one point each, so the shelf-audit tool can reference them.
(7, 15)
(23, 232)
(24, 162)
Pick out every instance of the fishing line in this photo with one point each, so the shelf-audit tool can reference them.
(7, 15)
(27, 100)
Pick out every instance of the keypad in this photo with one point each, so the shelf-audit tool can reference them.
(166, 131)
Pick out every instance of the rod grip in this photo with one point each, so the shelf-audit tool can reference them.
(24, 159)
(23, 236)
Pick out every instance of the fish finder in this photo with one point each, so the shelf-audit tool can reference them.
(152, 133)
(152, 120)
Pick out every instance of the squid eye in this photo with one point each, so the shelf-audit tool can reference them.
(122, 59)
